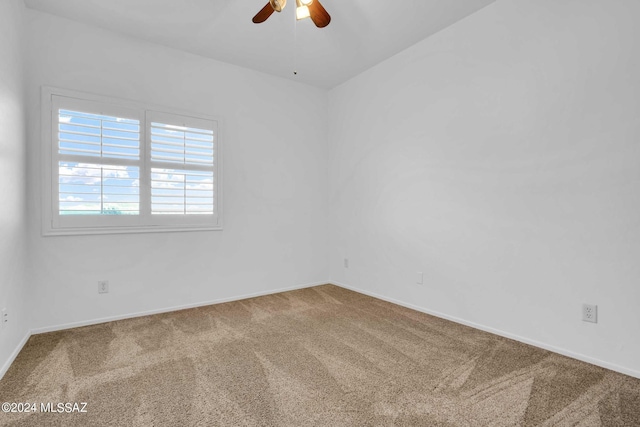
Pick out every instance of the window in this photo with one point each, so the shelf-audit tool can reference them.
(114, 166)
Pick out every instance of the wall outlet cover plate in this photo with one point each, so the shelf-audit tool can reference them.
(590, 313)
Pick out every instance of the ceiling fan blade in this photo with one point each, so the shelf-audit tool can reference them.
(319, 14)
(264, 13)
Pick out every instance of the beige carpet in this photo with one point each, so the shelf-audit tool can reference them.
(320, 356)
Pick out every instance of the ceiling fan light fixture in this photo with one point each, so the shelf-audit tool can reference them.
(302, 10)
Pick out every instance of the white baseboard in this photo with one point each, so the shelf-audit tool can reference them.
(168, 309)
(562, 351)
(71, 325)
(14, 354)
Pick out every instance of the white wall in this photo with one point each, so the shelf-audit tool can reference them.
(274, 181)
(500, 157)
(12, 190)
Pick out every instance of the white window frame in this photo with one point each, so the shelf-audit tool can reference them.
(54, 224)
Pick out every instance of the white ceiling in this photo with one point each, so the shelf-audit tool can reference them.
(361, 33)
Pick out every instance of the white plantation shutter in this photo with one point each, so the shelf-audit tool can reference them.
(97, 189)
(183, 164)
(97, 162)
(116, 166)
(97, 135)
(177, 144)
(175, 191)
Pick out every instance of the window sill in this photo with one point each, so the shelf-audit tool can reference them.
(126, 230)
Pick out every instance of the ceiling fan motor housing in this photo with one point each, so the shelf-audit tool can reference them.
(278, 5)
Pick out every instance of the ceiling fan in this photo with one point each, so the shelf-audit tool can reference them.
(304, 9)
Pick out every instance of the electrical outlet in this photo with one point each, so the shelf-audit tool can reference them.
(346, 263)
(419, 278)
(590, 313)
(103, 287)
(4, 317)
